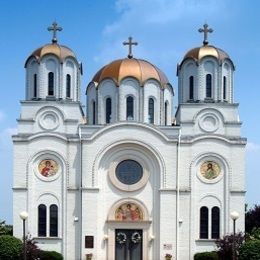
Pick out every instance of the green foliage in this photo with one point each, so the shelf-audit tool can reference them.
(225, 244)
(252, 218)
(5, 229)
(206, 256)
(10, 247)
(250, 250)
(51, 255)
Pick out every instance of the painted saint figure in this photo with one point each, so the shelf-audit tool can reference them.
(210, 170)
(47, 168)
(128, 212)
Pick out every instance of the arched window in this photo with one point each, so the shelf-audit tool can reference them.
(191, 88)
(94, 112)
(224, 87)
(53, 220)
(42, 220)
(108, 110)
(204, 222)
(215, 216)
(50, 84)
(165, 113)
(208, 86)
(35, 85)
(130, 108)
(68, 86)
(151, 111)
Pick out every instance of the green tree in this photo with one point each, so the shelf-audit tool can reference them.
(250, 250)
(10, 247)
(5, 229)
(252, 218)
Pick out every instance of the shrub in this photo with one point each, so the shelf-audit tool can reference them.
(51, 255)
(206, 256)
(250, 250)
(10, 247)
(225, 244)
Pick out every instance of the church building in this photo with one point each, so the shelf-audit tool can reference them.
(125, 178)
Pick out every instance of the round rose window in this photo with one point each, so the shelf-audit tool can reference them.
(129, 172)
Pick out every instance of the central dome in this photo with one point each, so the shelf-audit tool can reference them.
(141, 70)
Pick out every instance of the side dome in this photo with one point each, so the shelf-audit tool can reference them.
(141, 70)
(201, 52)
(60, 51)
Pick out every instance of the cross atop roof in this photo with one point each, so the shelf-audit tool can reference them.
(54, 28)
(130, 43)
(205, 30)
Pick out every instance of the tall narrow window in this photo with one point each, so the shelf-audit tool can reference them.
(224, 87)
(151, 111)
(35, 85)
(53, 220)
(94, 112)
(165, 113)
(50, 84)
(108, 110)
(191, 88)
(130, 108)
(204, 222)
(42, 220)
(215, 222)
(208, 86)
(68, 86)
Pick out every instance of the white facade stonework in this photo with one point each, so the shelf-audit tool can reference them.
(174, 153)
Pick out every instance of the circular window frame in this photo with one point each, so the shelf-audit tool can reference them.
(125, 187)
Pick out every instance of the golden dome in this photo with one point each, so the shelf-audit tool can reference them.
(60, 51)
(139, 69)
(199, 53)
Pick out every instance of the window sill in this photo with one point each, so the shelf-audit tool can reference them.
(206, 240)
(48, 238)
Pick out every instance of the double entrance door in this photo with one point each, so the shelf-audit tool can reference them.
(129, 244)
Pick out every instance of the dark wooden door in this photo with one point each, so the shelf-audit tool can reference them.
(129, 244)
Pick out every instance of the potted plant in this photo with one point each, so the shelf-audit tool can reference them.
(89, 256)
(168, 256)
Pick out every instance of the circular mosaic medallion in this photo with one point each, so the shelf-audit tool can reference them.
(129, 172)
(210, 170)
(48, 167)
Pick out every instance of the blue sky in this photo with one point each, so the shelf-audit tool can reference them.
(95, 30)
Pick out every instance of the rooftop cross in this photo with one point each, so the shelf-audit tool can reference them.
(130, 43)
(205, 30)
(54, 28)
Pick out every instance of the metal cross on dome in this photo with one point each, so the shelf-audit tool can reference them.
(205, 30)
(130, 43)
(54, 28)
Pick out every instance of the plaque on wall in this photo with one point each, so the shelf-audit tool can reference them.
(89, 241)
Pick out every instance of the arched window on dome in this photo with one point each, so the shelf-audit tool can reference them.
(151, 111)
(93, 112)
(35, 85)
(68, 86)
(204, 222)
(208, 86)
(191, 87)
(165, 113)
(108, 110)
(50, 84)
(130, 108)
(42, 220)
(53, 220)
(215, 225)
(224, 88)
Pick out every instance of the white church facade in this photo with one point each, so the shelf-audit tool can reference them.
(126, 179)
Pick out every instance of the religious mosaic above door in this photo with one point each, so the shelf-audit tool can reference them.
(210, 170)
(48, 167)
(128, 212)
